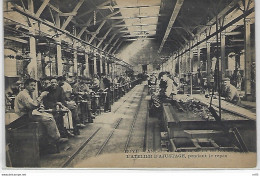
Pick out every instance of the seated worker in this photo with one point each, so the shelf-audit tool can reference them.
(10, 93)
(95, 94)
(153, 79)
(172, 85)
(96, 83)
(56, 97)
(46, 83)
(115, 87)
(229, 92)
(128, 83)
(121, 88)
(106, 96)
(71, 104)
(82, 91)
(25, 106)
(167, 89)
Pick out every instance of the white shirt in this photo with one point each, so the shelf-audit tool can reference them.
(24, 103)
(171, 88)
(67, 87)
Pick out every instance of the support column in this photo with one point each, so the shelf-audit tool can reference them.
(172, 70)
(248, 59)
(32, 66)
(108, 67)
(186, 62)
(95, 64)
(223, 57)
(114, 69)
(162, 67)
(208, 63)
(75, 61)
(191, 58)
(179, 62)
(105, 66)
(86, 71)
(181, 65)
(101, 65)
(190, 68)
(198, 50)
(59, 59)
(59, 53)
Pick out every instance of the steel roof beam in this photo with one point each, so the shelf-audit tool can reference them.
(121, 17)
(104, 37)
(76, 8)
(118, 46)
(53, 7)
(42, 7)
(127, 7)
(124, 25)
(186, 28)
(175, 13)
(223, 12)
(110, 40)
(92, 10)
(105, 18)
(97, 31)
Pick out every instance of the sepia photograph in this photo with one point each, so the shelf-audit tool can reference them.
(129, 84)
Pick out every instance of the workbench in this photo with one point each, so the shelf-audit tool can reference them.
(190, 128)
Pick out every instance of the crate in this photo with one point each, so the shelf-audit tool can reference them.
(24, 145)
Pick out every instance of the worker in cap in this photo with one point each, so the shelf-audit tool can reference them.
(229, 92)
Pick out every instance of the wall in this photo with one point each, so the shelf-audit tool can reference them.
(140, 52)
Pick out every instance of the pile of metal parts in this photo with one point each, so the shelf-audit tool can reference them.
(195, 107)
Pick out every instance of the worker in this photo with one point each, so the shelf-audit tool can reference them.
(83, 94)
(171, 88)
(229, 92)
(105, 84)
(70, 103)
(166, 90)
(10, 93)
(56, 96)
(25, 107)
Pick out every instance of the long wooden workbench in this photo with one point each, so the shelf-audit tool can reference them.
(189, 128)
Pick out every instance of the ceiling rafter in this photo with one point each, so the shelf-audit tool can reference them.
(76, 8)
(53, 7)
(104, 37)
(97, 31)
(121, 17)
(124, 25)
(117, 47)
(92, 10)
(223, 12)
(127, 7)
(186, 28)
(174, 15)
(110, 40)
(42, 7)
(104, 18)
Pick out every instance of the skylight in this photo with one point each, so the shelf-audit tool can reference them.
(141, 16)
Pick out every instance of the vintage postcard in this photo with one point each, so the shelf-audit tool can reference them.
(130, 84)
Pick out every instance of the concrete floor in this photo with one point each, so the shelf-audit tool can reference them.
(132, 108)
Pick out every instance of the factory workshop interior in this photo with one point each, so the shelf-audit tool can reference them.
(86, 78)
